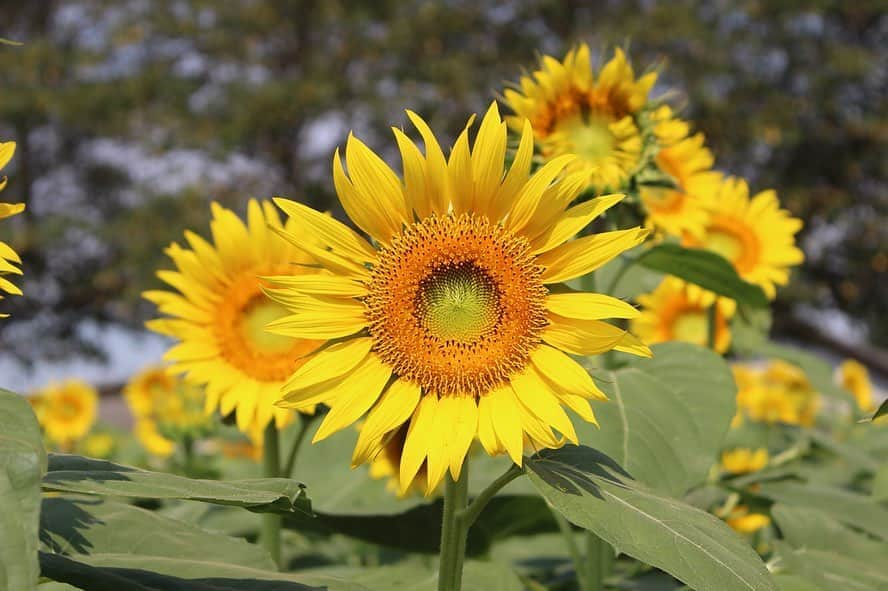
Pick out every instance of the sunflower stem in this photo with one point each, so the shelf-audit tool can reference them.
(304, 422)
(471, 513)
(271, 522)
(710, 326)
(454, 530)
(599, 561)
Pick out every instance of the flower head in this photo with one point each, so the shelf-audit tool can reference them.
(744, 522)
(743, 460)
(448, 325)
(677, 311)
(218, 312)
(779, 393)
(753, 233)
(175, 405)
(66, 410)
(854, 377)
(592, 115)
(9, 259)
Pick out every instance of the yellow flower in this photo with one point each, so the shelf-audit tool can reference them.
(9, 259)
(683, 209)
(794, 385)
(754, 234)
(218, 312)
(447, 324)
(166, 399)
(744, 522)
(147, 386)
(854, 377)
(66, 410)
(676, 311)
(744, 460)
(151, 439)
(98, 445)
(573, 111)
(780, 393)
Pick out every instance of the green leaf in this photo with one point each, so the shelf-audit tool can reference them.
(816, 530)
(881, 411)
(477, 576)
(75, 474)
(848, 507)
(794, 583)
(22, 462)
(880, 484)
(706, 269)
(667, 416)
(86, 525)
(832, 571)
(593, 492)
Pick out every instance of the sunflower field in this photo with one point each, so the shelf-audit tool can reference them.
(543, 349)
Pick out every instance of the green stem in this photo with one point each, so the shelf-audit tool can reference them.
(711, 325)
(471, 513)
(453, 531)
(627, 263)
(271, 522)
(304, 422)
(573, 549)
(188, 453)
(599, 561)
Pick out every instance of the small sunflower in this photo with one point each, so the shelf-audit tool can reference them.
(687, 160)
(676, 311)
(217, 311)
(448, 325)
(175, 405)
(778, 393)
(854, 377)
(152, 440)
(744, 460)
(66, 411)
(9, 259)
(753, 233)
(744, 522)
(594, 116)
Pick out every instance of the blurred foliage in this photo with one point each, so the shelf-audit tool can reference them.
(131, 116)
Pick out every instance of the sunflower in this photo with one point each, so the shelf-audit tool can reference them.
(66, 411)
(595, 117)
(175, 404)
(218, 312)
(152, 440)
(744, 461)
(677, 311)
(9, 259)
(778, 393)
(689, 163)
(754, 234)
(447, 324)
(744, 522)
(99, 445)
(854, 377)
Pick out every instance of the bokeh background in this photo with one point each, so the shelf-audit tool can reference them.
(132, 115)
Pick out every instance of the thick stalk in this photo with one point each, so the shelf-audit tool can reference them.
(471, 513)
(271, 522)
(453, 531)
(599, 561)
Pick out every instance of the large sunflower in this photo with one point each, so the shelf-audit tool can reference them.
(574, 111)
(218, 313)
(689, 162)
(447, 324)
(677, 311)
(754, 233)
(9, 259)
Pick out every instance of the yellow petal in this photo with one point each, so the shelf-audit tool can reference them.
(415, 190)
(517, 176)
(331, 362)
(7, 149)
(488, 156)
(458, 416)
(326, 230)
(535, 394)
(416, 444)
(437, 179)
(586, 254)
(581, 337)
(365, 215)
(629, 343)
(568, 375)
(354, 397)
(328, 323)
(330, 285)
(507, 422)
(528, 198)
(572, 221)
(486, 433)
(377, 185)
(394, 407)
(589, 306)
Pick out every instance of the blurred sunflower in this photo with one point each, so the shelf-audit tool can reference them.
(854, 377)
(743, 460)
(98, 445)
(754, 234)
(9, 259)
(218, 312)
(744, 522)
(176, 405)
(574, 111)
(152, 440)
(779, 393)
(676, 311)
(448, 325)
(66, 411)
(684, 158)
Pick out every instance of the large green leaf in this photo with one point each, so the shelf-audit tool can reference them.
(75, 474)
(477, 576)
(848, 507)
(816, 530)
(667, 416)
(591, 491)
(833, 571)
(86, 525)
(22, 462)
(704, 268)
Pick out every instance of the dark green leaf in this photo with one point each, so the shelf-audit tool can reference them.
(75, 474)
(667, 416)
(706, 269)
(22, 462)
(881, 411)
(593, 492)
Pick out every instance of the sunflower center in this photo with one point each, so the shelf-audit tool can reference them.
(69, 408)
(239, 327)
(456, 304)
(735, 241)
(590, 138)
(691, 327)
